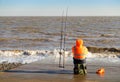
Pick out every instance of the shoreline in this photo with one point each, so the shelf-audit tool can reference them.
(42, 72)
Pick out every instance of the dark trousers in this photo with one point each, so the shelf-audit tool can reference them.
(80, 66)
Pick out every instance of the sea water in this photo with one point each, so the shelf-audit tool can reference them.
(34, 33)
(38, 38)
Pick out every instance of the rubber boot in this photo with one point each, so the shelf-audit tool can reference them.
(83, 69)
(76, 70)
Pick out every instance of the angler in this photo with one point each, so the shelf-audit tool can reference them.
(79, 57)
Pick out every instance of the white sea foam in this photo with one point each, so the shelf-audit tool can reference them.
(28, 56)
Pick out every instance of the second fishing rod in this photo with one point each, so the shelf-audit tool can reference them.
(63, 39)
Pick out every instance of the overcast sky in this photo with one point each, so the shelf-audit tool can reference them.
(56, 7)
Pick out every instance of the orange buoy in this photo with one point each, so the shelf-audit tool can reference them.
(100, 71)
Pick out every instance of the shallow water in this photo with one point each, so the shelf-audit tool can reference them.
(24, 33)
(47, 70)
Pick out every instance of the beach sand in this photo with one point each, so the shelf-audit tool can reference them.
(46, 72)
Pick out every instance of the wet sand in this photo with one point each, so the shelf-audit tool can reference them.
(45, 72)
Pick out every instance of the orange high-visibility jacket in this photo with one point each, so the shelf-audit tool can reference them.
(79, 51)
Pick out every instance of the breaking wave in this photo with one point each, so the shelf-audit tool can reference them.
(28, 56)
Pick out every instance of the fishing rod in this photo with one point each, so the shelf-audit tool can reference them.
(63, 39)
(65, 34)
